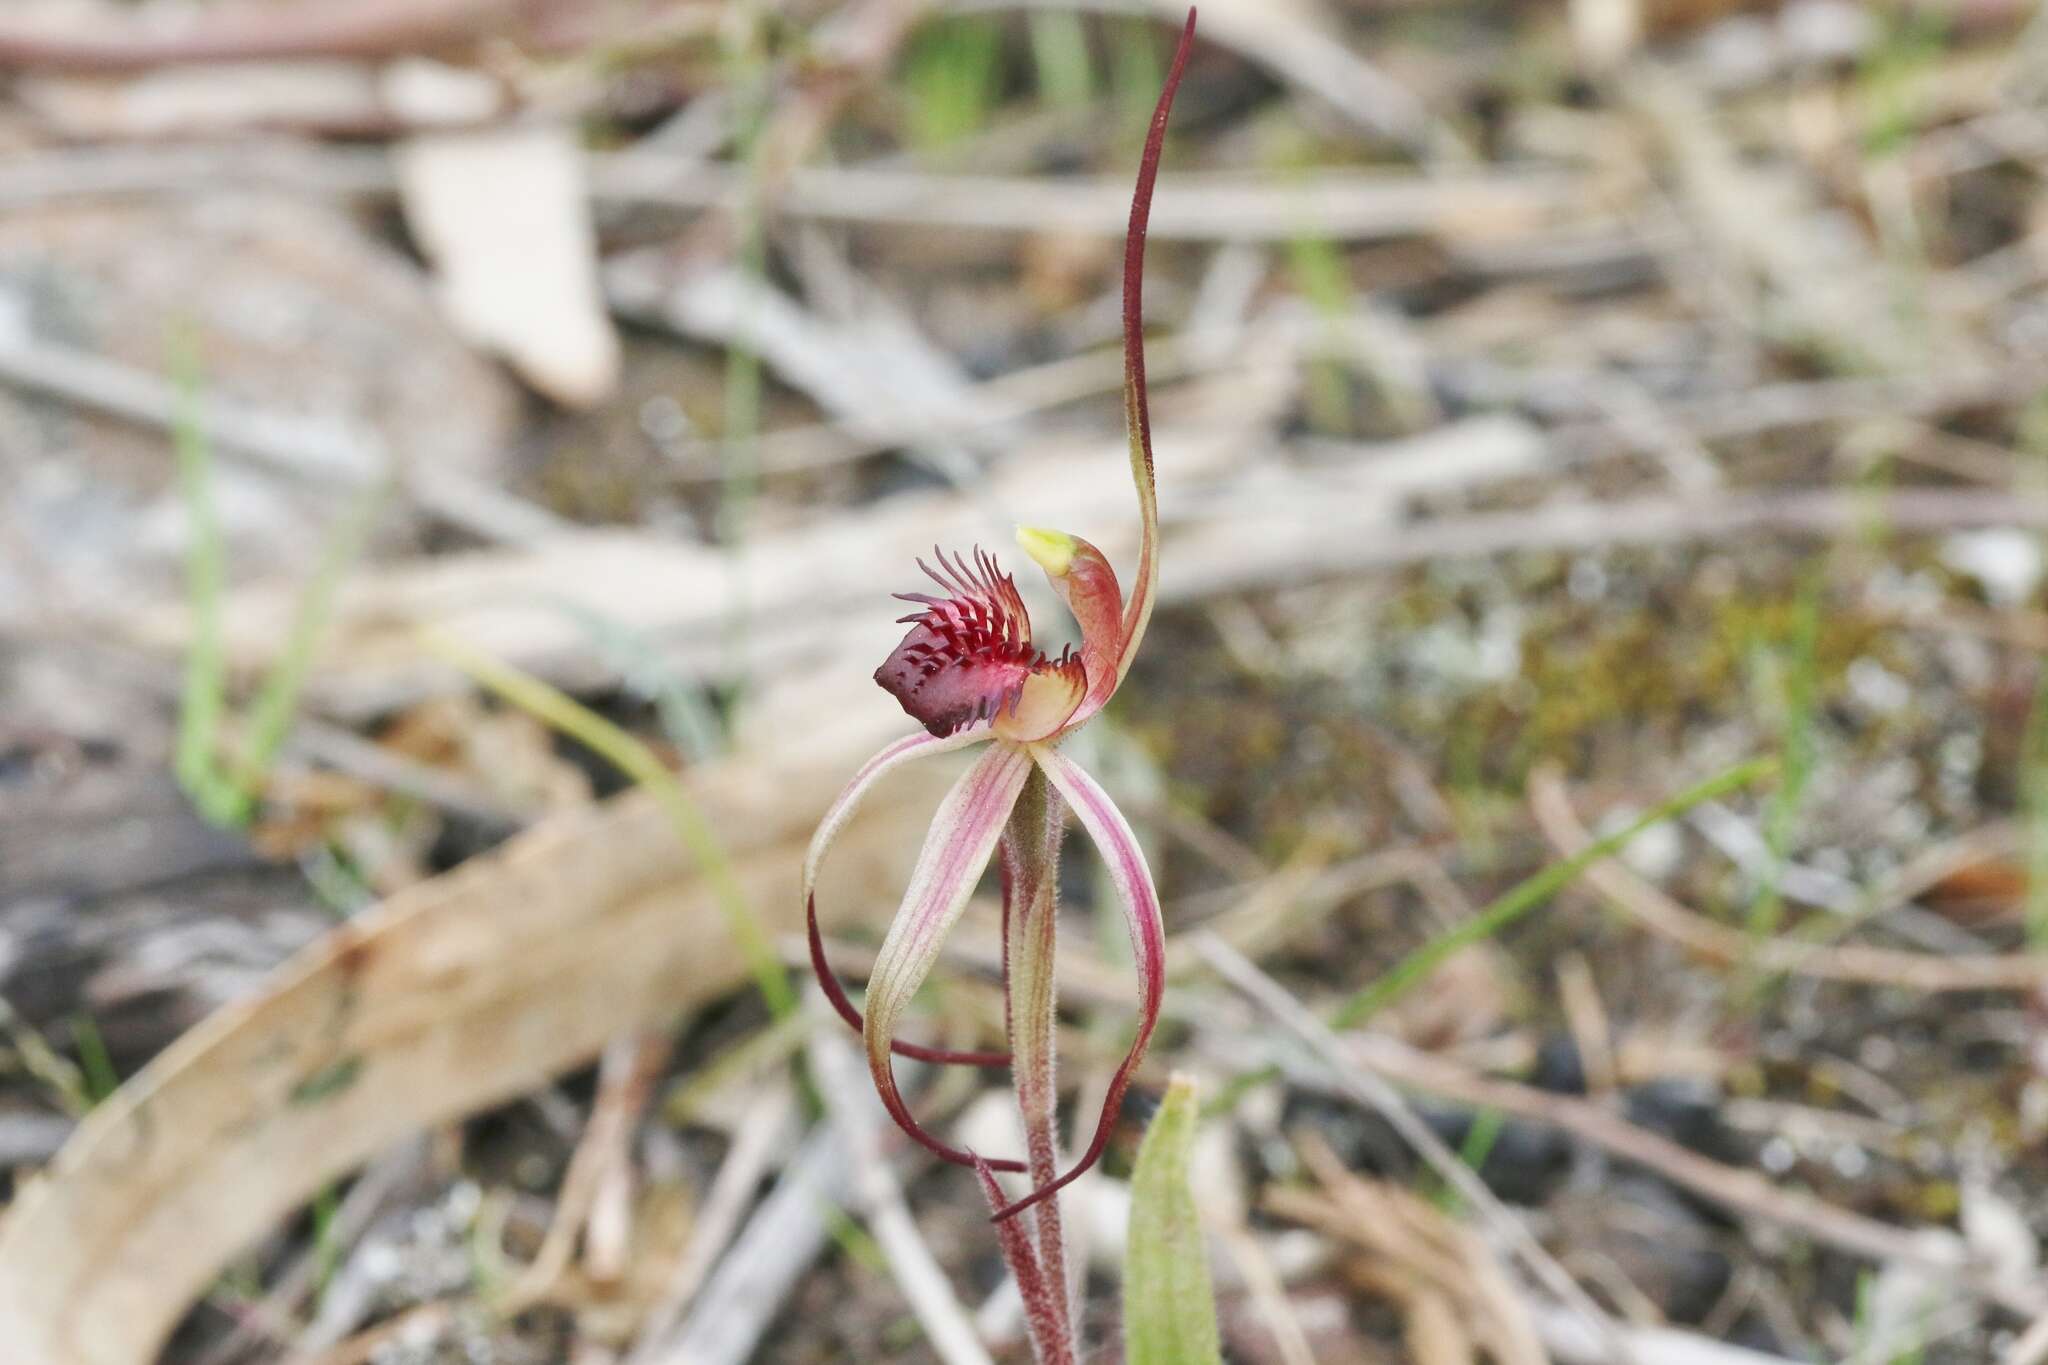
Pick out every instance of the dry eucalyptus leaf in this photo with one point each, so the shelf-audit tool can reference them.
(503, 215)
(453, 995)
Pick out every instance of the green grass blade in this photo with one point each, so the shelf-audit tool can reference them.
(2034, 805)
(1169, 1308)
(951, 78)
(203, 698)
(688, 720)
(95, 1063)
(1321, 275)
(1801, 669)
(570, 717)
(1136, 71)
(1060, 59)
(748, 75)
(1473, 1151)
(1531, 893)
(270, 717)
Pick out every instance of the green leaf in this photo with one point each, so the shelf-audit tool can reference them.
(1169, 1309)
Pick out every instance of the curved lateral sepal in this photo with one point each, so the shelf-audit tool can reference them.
(1132, 880)
(963, 835)
(892, 756)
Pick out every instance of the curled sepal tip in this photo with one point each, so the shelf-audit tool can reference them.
(1131, 879)
(835, 995)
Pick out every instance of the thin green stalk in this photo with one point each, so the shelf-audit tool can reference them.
(1059, 56)
(326, 1238)
(1318, 269)
(753, 1055)
(225, 792)
(1531, 893)
(854, 1241)
(1801, 669)
(688, 720)
(2034, 806)
(640, 763)
(1473, 1151)
(1137, 71)
(950, 77)
(203, 698)
(1517, 901)
(747, 74)
(270, 716)
(62, 1076)
(337, 882)
(95, 1063)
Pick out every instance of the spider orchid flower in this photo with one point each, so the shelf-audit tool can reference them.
(969, 672)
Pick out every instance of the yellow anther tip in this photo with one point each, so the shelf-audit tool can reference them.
(1052, 550)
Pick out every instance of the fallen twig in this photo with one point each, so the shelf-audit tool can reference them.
(1369, 1089)
(243, 33)
(303, 448)
(1937, 1252)
(367, 1199)
(759, 1141)
(744, 1295)
(1343, 206)
(626, 1076)
(857, 1118)
(1663, 915)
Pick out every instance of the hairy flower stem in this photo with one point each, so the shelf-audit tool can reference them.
(1031, 855)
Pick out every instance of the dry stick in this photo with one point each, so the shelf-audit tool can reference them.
(1342, 205)
(304, 449)
(1414, 1247)
(121, 171)
(420, 1321)
(2032, 1346)
(625, 1080)
(763, 1129)
(980, 406)
(626, 1076)
(1719, 943)
(1569, 1344)
(1372, 1091)
(1743, 1190)
(348, 753)
(314, 28)
(740, 1300)
(377, 1187)
(858, 371)
(879, 1197)
(1268, 1292)
(1328, 544)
